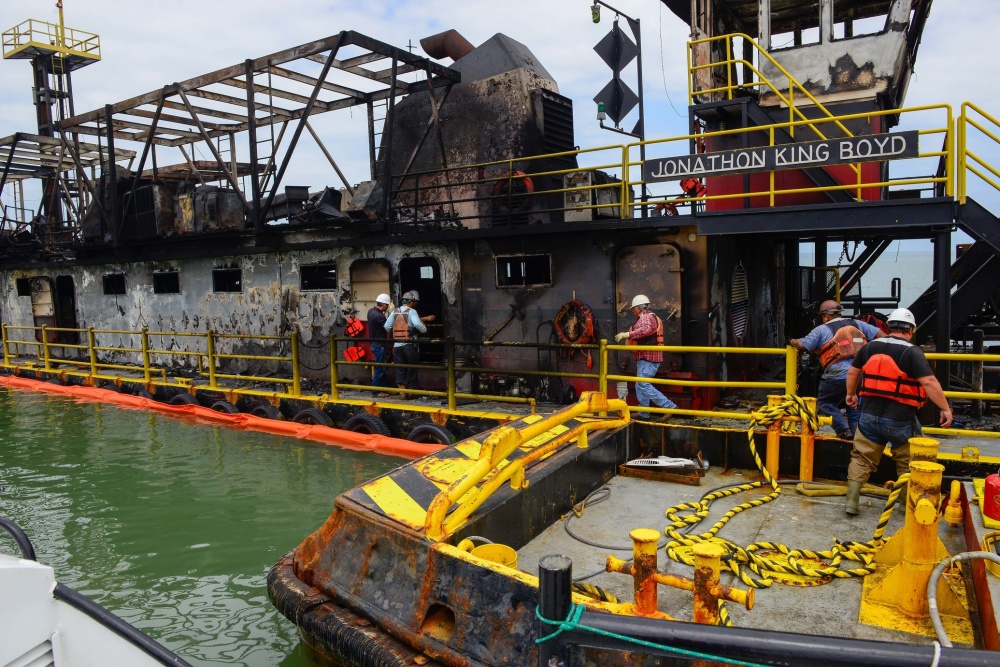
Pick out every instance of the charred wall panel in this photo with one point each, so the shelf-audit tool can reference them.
(269, 302)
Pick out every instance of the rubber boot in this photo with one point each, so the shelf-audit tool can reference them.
(853, 497)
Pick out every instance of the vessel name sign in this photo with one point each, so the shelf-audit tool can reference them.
(896, 146)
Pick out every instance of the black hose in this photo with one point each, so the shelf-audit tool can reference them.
(23, 543)
(124, 630)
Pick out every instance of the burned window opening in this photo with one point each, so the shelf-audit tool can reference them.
(23, 286)
(166, 282)
(524, 271)
(318, 277)
(227, 280)
(114, 284)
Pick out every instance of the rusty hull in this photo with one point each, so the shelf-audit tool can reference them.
(431, 597)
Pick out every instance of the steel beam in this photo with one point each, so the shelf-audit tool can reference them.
(215, 152)
(258, 223)
(300, 126)
(145, 150)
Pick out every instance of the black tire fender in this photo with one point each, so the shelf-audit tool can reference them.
(267, 412)
(224, 406)
(366, 423)
(142, 393)
(432, 434)
(312, 416)
(110, 386)
(183, 398)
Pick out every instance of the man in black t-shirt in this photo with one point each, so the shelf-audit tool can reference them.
(376, 329)
(895, 380)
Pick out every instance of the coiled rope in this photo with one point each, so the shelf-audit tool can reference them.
(746, 563)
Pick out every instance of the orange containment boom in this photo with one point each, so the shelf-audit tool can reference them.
(382, 444)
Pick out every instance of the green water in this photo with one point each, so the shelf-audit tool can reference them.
(170, 525)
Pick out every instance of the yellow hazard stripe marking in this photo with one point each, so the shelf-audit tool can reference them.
(395, 502)
(470, 448)
(531, 419)
(545, 437)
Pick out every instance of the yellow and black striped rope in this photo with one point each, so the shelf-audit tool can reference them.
(747, 564)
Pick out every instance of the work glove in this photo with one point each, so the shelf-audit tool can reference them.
(390, 308)
(619, 337)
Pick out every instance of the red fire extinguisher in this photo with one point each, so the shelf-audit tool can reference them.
(991, 497)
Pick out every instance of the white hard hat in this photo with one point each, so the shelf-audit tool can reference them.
(902, 315)
(412, 295)
(640, 300)
(383, 298)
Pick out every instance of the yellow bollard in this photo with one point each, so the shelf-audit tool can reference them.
(705, 585)
(643, 572)
(923, 449)
(644, 551)
(905, 587)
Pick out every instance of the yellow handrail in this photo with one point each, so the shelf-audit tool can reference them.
(964, 154)
(792, 81)
(948, 179)
(439, 522)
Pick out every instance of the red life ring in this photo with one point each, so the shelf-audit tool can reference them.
(574, 325)
(511, 193)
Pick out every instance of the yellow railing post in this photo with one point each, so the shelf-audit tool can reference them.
(949, 164)
(449, 343)
(144, 337)
(6, 350)
(771, 173)
(334, 376)
(210, 353)
(791, 370)
(91, 352)
(45, 347)
(296, 375)
(602, 367)
(960, 155)
(626, 179)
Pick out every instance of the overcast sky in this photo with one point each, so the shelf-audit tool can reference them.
(146, 45)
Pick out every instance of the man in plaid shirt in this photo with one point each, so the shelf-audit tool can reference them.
(647, 330)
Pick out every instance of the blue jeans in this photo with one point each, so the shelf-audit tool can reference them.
(381, 354)
(646, 392)
(831, 395)
(873, 434)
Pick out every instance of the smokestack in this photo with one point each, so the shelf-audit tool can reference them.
(448, 43)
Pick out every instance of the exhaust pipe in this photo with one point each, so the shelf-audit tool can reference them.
(448, 43)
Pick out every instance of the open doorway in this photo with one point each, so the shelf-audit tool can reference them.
(66, 310)
(424, 275)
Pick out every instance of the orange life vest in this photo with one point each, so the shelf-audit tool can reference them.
(651, 339)
(881, 377)
(354, 327)
(846, 342)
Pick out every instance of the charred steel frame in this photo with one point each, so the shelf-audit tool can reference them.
(53, 159)
(163, 127)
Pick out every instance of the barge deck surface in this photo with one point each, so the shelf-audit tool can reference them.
(794, 520)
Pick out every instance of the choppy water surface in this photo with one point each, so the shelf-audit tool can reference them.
(172, 526)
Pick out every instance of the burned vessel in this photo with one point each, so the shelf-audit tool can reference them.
(217, 282)
(211, 276)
